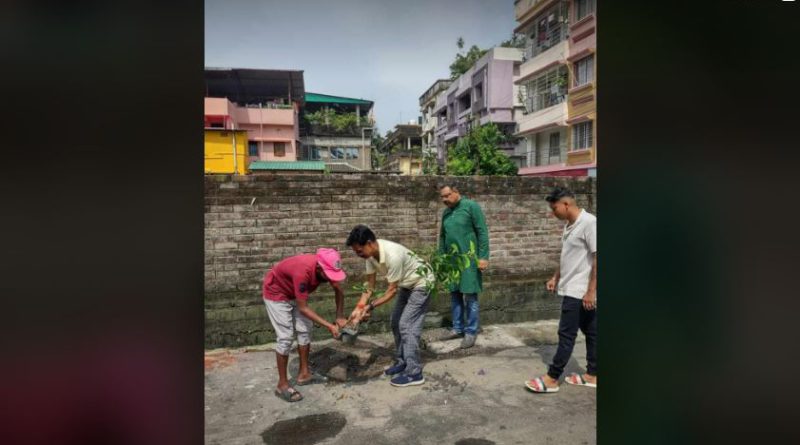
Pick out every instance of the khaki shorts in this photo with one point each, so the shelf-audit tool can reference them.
(287, 320)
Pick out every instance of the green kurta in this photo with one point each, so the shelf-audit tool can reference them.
(460, 225)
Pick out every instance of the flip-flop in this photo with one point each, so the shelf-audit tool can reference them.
(578, 380)
(289, 394)
(537, 385)
(315, 378)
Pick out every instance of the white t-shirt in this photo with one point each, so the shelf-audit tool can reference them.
(579, 242)
(398, 265)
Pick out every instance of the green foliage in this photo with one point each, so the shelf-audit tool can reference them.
(363, 288)
(478, 154)
(337, 122)
(430, 166)
(516, 41)
(378, 157)
(464, 61)
(446, 267)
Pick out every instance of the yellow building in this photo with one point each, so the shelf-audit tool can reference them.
(407, 163)
(225, 151)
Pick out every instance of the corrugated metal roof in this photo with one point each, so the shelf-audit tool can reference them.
(290, 165)
(325, 98)
(246, 85)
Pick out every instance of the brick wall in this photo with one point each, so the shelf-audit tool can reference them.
(251, 222)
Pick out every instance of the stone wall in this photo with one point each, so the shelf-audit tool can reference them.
(251, 222)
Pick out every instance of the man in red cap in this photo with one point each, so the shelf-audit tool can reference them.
(285, 291)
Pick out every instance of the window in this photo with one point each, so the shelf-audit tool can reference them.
(279, 149)
(312, 153)
(582, 136)
(584, 71)
(337, 153)
(464, 103)
(546, 90)
(252, 148)
(555, 145)
(583, 8)
(351, 153)
(548, 31)
(479, 95)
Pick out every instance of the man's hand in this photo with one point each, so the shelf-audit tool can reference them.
(366, 313)
(483, 264)
(334, 330)
(551, 284)
(590, 300)
(340, 322)
(355, 316)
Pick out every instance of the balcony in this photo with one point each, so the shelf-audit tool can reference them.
(522, 8)
(552, 116)
(551, 38)
(266, 116)
(438, 86)
(539, 102)
(329, 130)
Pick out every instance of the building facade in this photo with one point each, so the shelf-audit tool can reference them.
(337, 130)
(403, 149)
(427, 103)
(557, 85)
(485, 93)
(225, 151)
(264, 103)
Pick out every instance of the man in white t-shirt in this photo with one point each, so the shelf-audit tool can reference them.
(411, 288)
(576, 282)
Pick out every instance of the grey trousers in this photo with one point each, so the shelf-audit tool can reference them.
(408, 317)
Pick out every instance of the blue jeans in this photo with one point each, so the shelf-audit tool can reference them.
(464, 306)
(408, 317)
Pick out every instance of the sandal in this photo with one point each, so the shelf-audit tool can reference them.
(578, 380)
(537, 385)
(289, 394)
(315, 378)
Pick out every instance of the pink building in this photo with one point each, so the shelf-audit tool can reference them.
(265, 103)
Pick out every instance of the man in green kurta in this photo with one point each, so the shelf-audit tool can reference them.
(463, 223)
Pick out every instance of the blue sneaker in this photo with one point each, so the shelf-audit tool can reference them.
(395, 369)
(408, 380)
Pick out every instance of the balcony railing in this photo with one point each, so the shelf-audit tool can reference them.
(551, 38)
(435, 89)
(328, 130)
(541, 101)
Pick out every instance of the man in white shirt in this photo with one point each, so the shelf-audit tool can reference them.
(576, 281)
(411, 288)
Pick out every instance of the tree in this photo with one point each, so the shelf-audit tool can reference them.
(378, 158)
(478, 154)
(430, 165)
(516, 41)
(464, 61)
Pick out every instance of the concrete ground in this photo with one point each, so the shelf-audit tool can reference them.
(470, 397)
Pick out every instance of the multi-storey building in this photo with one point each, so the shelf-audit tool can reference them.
(264, 105)
(483, 94)
(557, 87)
(403, 147)
(338, 131)
(427, 103)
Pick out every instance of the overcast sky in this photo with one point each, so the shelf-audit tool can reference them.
(387, 51)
